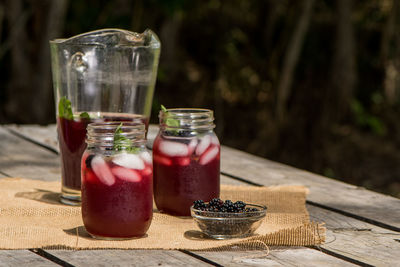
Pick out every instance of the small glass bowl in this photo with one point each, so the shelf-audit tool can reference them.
(223, 225)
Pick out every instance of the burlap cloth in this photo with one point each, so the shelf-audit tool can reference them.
(32, 217)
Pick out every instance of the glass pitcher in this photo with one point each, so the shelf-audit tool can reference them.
(103, 75)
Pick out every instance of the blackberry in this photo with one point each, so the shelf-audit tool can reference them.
(216, 202)
(236, 208)
(228, 202)
(227, 206)
(223, 209)
(230, 209)
(240, 205)
(199, 205)
(184, 133)
(180, 133)
(212, 209)
(169, 133)
(88, 161)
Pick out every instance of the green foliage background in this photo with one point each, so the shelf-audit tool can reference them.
(228, 56)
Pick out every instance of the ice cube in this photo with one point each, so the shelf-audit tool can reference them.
(184, 161)
(146, 157)
(131, 161)
(204, 144)
(209, 155)
(147, 171)
(89, 176)
(125, 174)
(192, 146)
(162, 160)
(173, 149)
(214, 140)
(102, 170)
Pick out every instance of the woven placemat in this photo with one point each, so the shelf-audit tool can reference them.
(32, 217)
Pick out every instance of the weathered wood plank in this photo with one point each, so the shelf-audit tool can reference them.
(44, 135)
(345, 238)
(282, 256)
(23, 258)
(276, 257)
(323, 191)
(20, 158)
(47, 135)
(328, 192)
(358, 240)
(352, 238)
(127, 258)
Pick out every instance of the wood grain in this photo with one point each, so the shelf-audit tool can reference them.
(23, 258)
(293, 256)
(20, 158)
(43, 135)
(47, 135)
(352, 238)
(358, 240)
(127, 258)
(348, 237)
(324, 191)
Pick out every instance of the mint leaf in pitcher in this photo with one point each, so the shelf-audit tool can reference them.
(84, 115)
(64, 109)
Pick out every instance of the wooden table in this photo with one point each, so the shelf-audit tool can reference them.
(363, 227)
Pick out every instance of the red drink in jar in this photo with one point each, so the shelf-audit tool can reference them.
(186, 161)
(117, 192)
(71, 135)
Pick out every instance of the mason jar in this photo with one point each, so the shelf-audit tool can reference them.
(117, 181)
(186, 160)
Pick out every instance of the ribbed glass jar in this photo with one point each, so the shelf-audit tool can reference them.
(117, 182)
(186, 160)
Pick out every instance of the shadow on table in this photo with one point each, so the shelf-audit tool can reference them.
(196, 235)
(41, 195)
(78, 231)
(81, 232)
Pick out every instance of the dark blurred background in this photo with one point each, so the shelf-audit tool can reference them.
(314, 84)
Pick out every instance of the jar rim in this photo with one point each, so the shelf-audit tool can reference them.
(193, 113)
(189, 110)
(112, 125)
(103, 133)
(187, 118)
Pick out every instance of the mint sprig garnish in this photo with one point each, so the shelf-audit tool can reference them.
(123, 143)
(169, 121)
(65, 110)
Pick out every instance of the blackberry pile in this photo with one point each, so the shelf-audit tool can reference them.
(226, 219)
(218, 205)
(180, 133)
